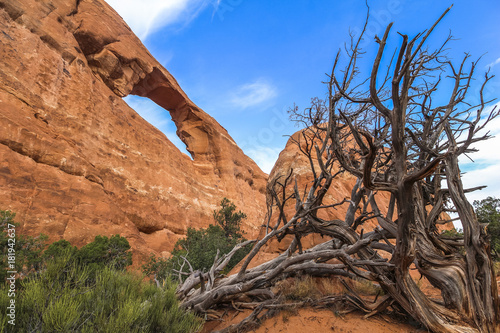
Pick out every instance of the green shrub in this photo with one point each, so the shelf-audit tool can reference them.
(200, 249)
(103, 251)
(61, 246)
(159, 268)
(27, 249)
(488, 211)
(200, 246)
(63, 298)
(453, 233)
(65, 289)
(229, 220)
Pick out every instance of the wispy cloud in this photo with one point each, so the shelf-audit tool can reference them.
(496, 62)
(252, 94)
(147, 16)
(487, 149)
(484, 168)
(265, 157)
(489, 176)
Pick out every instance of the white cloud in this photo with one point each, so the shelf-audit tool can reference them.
(265, 157)
(496, 62)
(485, 167)
(488, 153)
(252, 94)
(489, 176)
(147, 16)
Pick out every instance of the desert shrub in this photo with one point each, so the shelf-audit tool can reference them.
(200, 246)
(299, 288)
(200, 249)
(30, 255)
(331, 286)
(113, 252)
(228, 219)
(103, 251)
(27, 249)
(453, 233)
(85, 290)
(158, 267)
(366, 288)
(63, 298)
(55, 249)
(488, 211)
(302, 287)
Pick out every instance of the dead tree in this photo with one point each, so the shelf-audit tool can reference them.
(409, 144)
(390, 133)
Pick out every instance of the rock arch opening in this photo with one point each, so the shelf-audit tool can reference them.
(158, 117)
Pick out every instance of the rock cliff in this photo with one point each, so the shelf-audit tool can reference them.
(76, 161)
(291, 159)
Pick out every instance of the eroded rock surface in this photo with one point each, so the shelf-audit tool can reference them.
(76, 161)
(292, 160)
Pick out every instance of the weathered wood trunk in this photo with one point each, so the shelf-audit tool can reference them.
(481, 303)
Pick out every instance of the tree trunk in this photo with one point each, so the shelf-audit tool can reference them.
(483, 303)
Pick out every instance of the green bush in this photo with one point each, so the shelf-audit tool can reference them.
(62, 298)
(65, 289)
(229, 220)
(29, 255)
(200, 246)
(159, 268)
(103, 251)
(62, 246)
(453, 233)
(200, 249)
(27, 249)
(488, 211)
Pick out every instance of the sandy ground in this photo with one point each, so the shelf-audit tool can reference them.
(311, 321)
(308, 320)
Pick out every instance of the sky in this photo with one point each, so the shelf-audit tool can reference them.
(246, 62)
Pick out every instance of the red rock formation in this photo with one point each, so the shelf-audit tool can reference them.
(76, 161)
(292, 158)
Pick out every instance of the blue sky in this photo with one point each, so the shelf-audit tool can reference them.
(245, 62)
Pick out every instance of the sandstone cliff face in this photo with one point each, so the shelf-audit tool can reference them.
(292, 159)
(76, 161)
